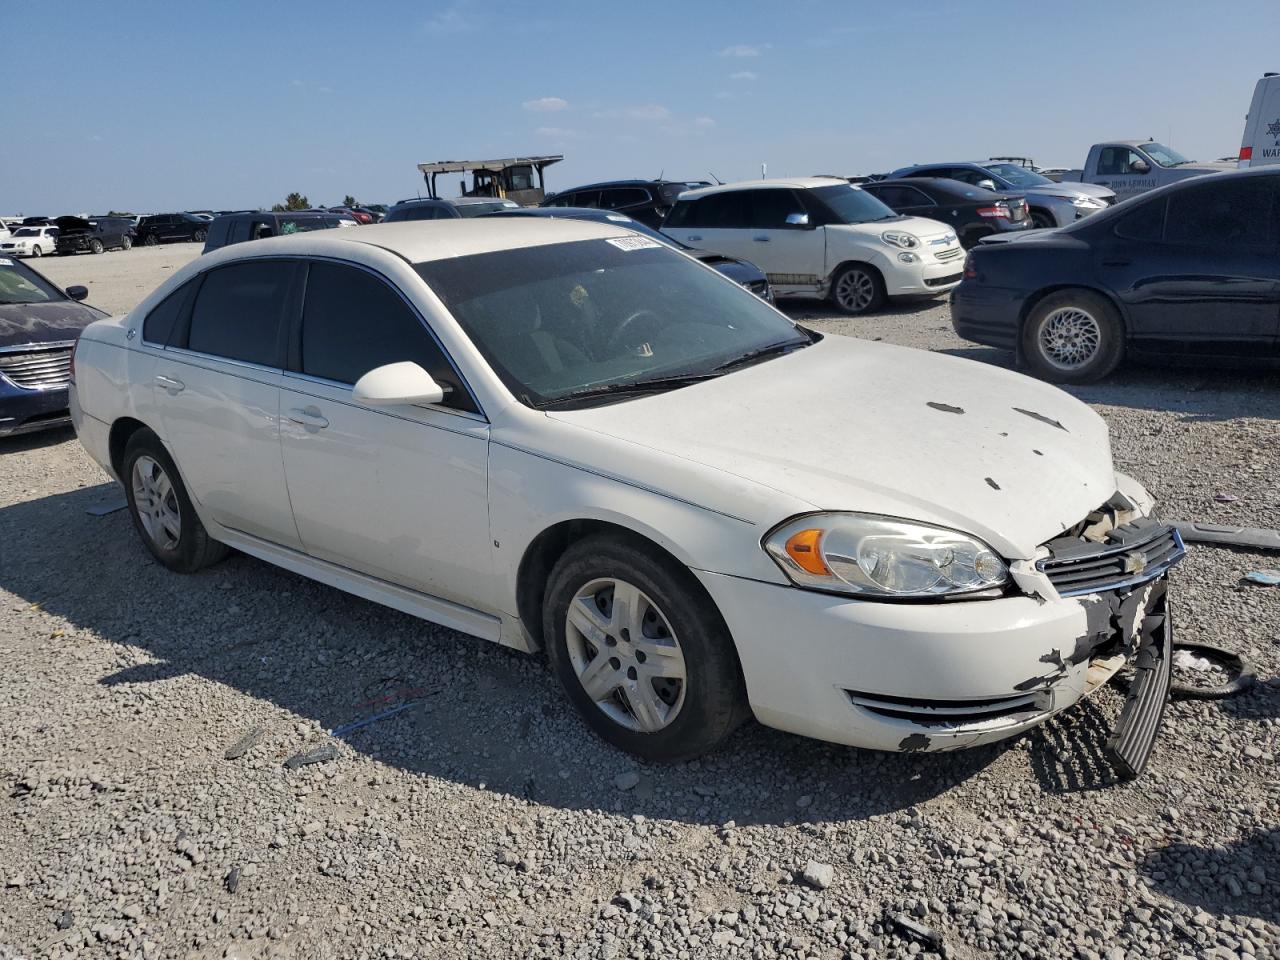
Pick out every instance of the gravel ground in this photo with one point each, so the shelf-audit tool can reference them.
(484, 819)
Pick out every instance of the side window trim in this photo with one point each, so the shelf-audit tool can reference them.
(293, 352)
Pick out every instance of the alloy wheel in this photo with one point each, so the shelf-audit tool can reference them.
(1069, 338)
(625, 655)
(156, 503)
(855, 290)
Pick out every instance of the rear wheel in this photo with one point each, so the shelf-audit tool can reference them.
(151, 240)
(1042, 220)
(95, 245)
(858, 288)
(161, 510)
(199, 236)
(1073, 336)
(126, 243)
(641, 652)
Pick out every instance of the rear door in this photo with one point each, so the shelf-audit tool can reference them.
(398, 493)
(719, 223)
(217, 387)
(791, 254)
(1199, 268)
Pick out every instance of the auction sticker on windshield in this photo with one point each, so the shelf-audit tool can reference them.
(633, 243)
(5, 263)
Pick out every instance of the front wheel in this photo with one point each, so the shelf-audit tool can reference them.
(1042, 220)
(1073, 336)
(36, 251)
(126, 243)
(95, 245)
(199, 236)
(643, 655)
(858, 288)
(161, 510)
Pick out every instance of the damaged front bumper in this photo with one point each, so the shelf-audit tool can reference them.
(945, 676)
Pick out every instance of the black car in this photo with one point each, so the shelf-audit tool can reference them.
(39, 324)
(76, 235)
(163, 227)
(973, 212)
(648, 201)
(1190, 270)
(435, 209)
(242, 227)
(739, 271)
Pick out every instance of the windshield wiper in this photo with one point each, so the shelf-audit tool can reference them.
(628, 386)
(763, 353)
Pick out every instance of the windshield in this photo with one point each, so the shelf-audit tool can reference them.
(1165, 156)
(20, 285)
(851, 205)
(479, 209)
(1017, 175)
(565, 318)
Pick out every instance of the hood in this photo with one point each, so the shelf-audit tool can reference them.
(857, 425)
(742, 271)
(44, 322)
(73, 225)
(1197, 167)
(1071, 188)
(921, 227)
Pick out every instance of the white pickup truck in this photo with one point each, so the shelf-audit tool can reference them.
(1130, 167)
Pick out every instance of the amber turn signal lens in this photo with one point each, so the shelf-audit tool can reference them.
(802, 547)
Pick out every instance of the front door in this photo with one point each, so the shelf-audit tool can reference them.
(792, 254)
(1199, 269)
(398, 493)
(217, 386)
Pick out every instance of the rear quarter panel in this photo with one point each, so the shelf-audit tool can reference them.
(113, 381)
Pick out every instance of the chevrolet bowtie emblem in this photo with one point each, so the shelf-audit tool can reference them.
(1134, 563)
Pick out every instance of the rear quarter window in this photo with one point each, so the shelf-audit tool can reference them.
(164, 317)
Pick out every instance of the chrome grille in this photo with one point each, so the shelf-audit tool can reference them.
(951, 254)
(38, 368)
(1132, 554)
(949, 712)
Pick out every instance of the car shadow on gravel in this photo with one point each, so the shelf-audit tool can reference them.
(800, 309)
(473, 712)
(1222, 879)
(26, 442)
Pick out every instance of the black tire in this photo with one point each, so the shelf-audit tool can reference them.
(199, 236)
(857, 288)
(95, 245)
(712, 701)
(972, 238)
(1086, 352)
(194, 549)
(36, 251)
(151, 240)
(1042, 220)
(126, 243)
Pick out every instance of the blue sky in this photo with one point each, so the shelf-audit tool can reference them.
(153, 106)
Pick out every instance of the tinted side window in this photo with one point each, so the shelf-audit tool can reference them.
(239, 231)
(218, 231)
(353, 322)
(1144, 223)
(894, 196)
(239, 310)
(623, 197)
(160, 322)
(1236, 212)
(724, 211)
(770, 208)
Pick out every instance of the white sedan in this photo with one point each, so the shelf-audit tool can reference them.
(560, 434)
(30, 242)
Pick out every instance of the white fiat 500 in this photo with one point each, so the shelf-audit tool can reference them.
(559, 434)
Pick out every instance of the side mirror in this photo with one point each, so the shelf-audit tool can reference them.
(395, 384)
(987, 185)
(1139, 166)
(78, 292)
(797, 219)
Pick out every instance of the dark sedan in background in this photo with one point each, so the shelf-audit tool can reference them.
(163, 227)
(39, 324)
(78, 235)
(739, 271)
(648, 201)
(972, 212)
(1190, 271)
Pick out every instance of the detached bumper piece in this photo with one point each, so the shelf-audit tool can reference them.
(1129, 747)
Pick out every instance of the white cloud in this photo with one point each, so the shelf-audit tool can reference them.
(452, 19)
(742, 75)
(546, 104)
(648, 111)
(740, 50)
(703, 122)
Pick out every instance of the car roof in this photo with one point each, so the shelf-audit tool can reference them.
(463, 201)
(579, 213)
(619, 183)
(421, 241)
(943, 185)
(794, 183)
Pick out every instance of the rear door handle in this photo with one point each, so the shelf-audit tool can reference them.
(308, 419)
(169, 383)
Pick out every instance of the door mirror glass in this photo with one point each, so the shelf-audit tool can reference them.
(395, 384)
(987, 185)
(797, 219)
(1139, 166)
(77, 293)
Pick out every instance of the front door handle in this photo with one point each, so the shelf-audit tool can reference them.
(169, 383)
(308, 419)
(761, 239)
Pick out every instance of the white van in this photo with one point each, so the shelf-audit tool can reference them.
(1261, 143)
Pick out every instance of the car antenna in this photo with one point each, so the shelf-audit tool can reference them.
(719, 182)
(764, 170)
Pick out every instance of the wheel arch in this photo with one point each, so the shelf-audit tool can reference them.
(118, 439)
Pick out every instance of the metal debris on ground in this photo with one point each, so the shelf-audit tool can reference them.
(1225, 497)
(244, 744)
(233, 880)
(1257, 537)
(102, 509)
(919, 933)
(1218, 673)
(316, 755)
(357, 724)
(1264, 578)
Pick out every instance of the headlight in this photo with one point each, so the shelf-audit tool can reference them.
(908, 257)
(881, 557)
(1087, 202)
(906, 241)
